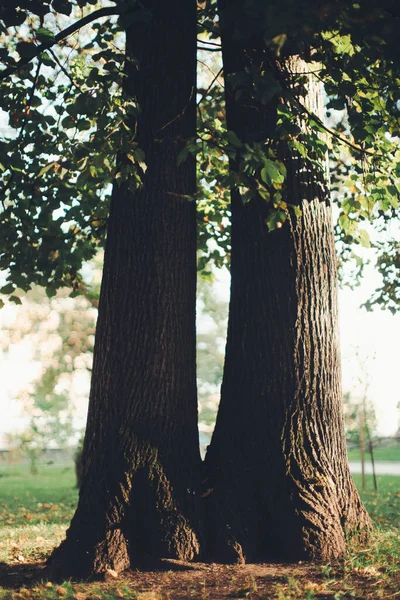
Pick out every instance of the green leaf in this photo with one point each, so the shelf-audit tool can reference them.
(26, 49)
(275, 219)
(51, 290)
(62, 6)
(233, 139)
(45, 169)
(297, 210)
(393, 196)
(277, 43)
(47, 60)
(301, 149)
(44, 35)
(15, 299)
(182, 156)
(346, 224)
(264, 193)
(68, 122)
(8, 289)
(364, 238)
(271, 174)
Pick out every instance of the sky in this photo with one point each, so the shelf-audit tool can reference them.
(370, 344)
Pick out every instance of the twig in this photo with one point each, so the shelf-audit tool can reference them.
(209, 43)
(362, 151)
(282, 81)
(97, 14)
(180, 114)
(209, 49)
(209, 87)
(64, 70)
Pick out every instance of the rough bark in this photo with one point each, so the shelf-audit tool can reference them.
(138, 499)
(277, 478)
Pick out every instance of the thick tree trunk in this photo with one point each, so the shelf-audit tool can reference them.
(278, 483)
(138, 500)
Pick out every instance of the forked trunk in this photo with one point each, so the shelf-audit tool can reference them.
(278, 482)
(138, 500)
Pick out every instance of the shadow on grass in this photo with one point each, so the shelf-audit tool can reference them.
(21, 575)
(13, 576)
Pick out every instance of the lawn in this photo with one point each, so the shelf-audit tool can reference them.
(392, 453)
(35, 511)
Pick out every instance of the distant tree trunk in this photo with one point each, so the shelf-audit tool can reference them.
(278, 483)
(138, 499)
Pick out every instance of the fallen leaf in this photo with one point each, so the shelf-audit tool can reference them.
(112, 573)
(61, 591)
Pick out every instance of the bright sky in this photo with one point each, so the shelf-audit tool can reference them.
(370, 351)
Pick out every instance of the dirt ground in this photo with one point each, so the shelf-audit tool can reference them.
(182, 581)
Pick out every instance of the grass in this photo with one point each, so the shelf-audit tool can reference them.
(383, 505)
(35, 511)
(391, 453)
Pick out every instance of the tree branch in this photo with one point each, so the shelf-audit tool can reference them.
(97, 14)
(208, 49)
(64, 70)
(209, 87)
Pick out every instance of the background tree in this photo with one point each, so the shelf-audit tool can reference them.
(60, 333)
(212, 313)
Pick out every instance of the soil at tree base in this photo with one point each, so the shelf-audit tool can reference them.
(180, 581)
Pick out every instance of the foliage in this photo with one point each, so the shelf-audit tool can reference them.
(64, 106)
(62, 86)
(355, 410)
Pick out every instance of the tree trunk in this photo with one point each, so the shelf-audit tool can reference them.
(138, 500)
(278, 483)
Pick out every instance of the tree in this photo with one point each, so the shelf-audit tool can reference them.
(139, 497)
(140, 494)
(289, 492)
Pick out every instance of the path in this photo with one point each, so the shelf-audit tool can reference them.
(382, 467)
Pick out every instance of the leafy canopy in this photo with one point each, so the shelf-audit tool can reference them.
(62, 89)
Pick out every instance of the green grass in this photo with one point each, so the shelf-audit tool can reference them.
(34, 510)
(383, 505)
(46, 498)
(391, 454)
